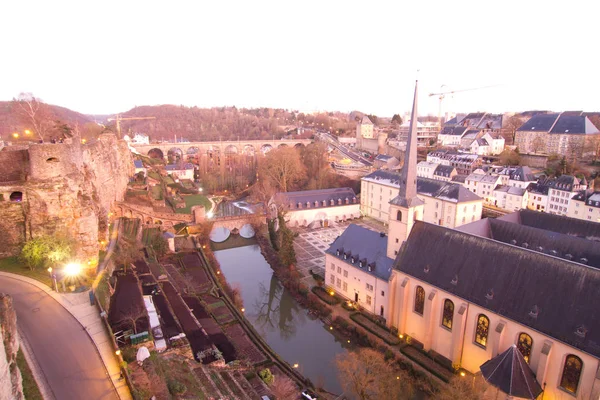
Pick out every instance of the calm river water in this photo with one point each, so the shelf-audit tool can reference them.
(284, 324)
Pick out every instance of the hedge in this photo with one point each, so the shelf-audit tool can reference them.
(386, 336)
(325, 296)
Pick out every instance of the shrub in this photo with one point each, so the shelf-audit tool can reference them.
(176, 387)
(129, 354)
(325, 296)
(388, 355)
(266, 375)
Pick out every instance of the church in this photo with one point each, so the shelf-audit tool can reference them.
(527, 281)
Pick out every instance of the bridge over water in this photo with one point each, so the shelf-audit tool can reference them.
(229, 147)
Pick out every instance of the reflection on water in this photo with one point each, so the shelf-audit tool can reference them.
(275, 314)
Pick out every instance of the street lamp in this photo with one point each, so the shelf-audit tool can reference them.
(72, 269)
(16, 135)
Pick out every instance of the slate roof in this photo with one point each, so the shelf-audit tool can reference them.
(539, 122)
(426, 187)
(366, 245)
(509, 372)
(320, 196)
(383, 157)
(482, 142)
(563, 182)
(574, 124)
(454, 130)
(590, 197)
(556, 223)
(482, 178)
(490, 121)
(538, 188)
(549, 294)
(523, 174)
(551, 243)
(443, 170)
(366, 121)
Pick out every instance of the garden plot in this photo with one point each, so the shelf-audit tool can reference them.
(246, 349)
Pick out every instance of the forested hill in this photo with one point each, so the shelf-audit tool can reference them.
(225, 123)
(11, 121)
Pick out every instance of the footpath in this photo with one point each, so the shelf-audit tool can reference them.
(78, 305)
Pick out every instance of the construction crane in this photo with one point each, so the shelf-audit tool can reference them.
(442, 95)
(119, 119)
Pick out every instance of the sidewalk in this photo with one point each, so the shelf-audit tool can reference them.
(78, 305)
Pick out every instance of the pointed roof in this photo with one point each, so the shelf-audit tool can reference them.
(407, 195)
(510, 373)
(366, 120)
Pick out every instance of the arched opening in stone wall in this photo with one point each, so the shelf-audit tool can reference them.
(174, 155)
(156, 154)
(52, 160)
(16, 197)
(266, 148)
(299, 145)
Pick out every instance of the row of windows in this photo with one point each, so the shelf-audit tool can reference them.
(573, 364)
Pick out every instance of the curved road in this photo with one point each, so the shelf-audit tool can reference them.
(62, 348)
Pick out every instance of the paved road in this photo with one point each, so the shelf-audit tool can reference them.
(63, 350)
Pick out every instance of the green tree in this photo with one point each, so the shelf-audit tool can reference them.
(46, 251)
(397, 119)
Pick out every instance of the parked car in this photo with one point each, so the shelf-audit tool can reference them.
(309, 395)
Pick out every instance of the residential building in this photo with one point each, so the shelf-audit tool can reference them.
(181, 171)
(445, 202)
(385, 161)
(464, 163)
(585, 205)
(357, 268)
(527, 279)
(510, 198)
(564, 133)
(425, 169)
(316, 207)
(426, 132)
(450, 136)
(368, 139)
(537, 199)
(560, 192)
(444, 173)
(483, 185)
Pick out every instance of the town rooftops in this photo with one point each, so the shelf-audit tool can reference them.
(512, 190)
(522, 174)
(316, 198)
(482, 178)
(482, 142)
(556, 223)
(448, 191)
(138, 163)
(364, 249)
(427, 164)
(454, 130)
(590, 197)
(550, 294)
(563, 182)
(539, 122)
(383, 157)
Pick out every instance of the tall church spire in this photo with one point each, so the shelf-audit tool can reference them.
(408, 175)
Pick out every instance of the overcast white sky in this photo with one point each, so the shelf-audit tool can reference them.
(109, 56)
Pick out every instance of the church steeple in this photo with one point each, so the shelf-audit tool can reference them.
(408, 174)
(406, 208)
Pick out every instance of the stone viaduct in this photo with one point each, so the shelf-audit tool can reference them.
(248, 147)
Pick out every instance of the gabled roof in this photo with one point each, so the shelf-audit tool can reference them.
(443, 170)
(311, 196)
(482, 178)
(563, 182)
(574, 124)
(590, 197)
(522, 174)
(363, 244)
(549, 294)
(454, 130)
(482, 142)
(516, 191)
(539, 122)
(366, 120)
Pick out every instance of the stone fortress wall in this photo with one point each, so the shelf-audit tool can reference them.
(62, 189)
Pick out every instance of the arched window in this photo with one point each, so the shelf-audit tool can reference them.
(571, 373)
(16, 197)
(448, 314)
(399, 215)
(481, 332)
(419, 300)
(524, 345)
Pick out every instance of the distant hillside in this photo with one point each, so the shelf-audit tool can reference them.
(10, 121)
(225, 123)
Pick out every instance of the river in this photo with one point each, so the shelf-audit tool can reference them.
(284, 324)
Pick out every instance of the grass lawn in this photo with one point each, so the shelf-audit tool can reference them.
(12, 265)
(194, 200)
(157, 192)
(30, 387)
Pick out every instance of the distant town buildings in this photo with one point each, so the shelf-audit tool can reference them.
(585, 205)
(368, 139)
(426, 132)
(181, 170)
(464, 163)
(566, 134)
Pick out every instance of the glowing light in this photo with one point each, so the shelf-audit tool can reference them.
(398, 378)
(462, 374)
(331, 328)
(118, 352)
(50, 269)
(243, 309)
(331, 293)
(27, 132)
(218, 272)
(296, 365)
(83, 141)
(72, 269)
(401, 336)
(209, 214)
(348, 340)
(16, 135)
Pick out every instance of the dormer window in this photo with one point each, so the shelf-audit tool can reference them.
(291, 206)
(316, 204)
(339, 202)
(454, 280)
(337, 252)
(331, 202)
(324, 203)
(299, 205)
(352, 259)
(490, 294)
(308, 204)
(534, 311)
(345, 256)
(361, 264)
(581, 331)
(347, 201)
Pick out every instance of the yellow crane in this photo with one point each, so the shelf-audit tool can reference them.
(118, 118)
(442, 95)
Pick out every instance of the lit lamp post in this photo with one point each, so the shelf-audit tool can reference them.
(53, 277)
(71, 270)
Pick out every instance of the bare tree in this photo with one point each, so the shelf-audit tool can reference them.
(34, 112)
(538, 145)
(512, 124)
(366, 375)
(467, 388)
(283, 387)
(282, 167)
(132, 316)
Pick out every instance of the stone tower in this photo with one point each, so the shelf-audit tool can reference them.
(406, 208)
